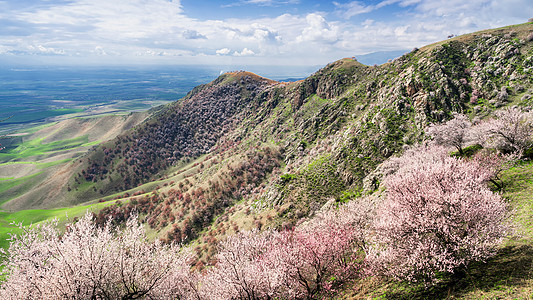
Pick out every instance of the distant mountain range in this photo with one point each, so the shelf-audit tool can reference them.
(379, 57)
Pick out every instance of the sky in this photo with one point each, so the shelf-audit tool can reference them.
(245, 32)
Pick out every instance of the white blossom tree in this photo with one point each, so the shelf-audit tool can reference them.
(453, 133)
(510, 131)
(242, 270)
(88, 262)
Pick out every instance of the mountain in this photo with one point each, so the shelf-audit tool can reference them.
(292, 147)
(247, 152)
(380, 57)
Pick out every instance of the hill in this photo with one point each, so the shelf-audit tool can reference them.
(36, 164)
(247, 152)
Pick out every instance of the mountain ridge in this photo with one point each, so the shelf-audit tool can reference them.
(351, 117)
(245, 143)
(425, 85)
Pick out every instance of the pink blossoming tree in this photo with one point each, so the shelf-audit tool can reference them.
(308, 262)
(438, 215)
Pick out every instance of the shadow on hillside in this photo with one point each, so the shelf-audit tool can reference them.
(511, 267)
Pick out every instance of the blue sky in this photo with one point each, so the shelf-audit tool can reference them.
(245, 32)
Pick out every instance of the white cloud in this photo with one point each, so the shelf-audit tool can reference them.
(354, 8)
(113, 20)
(318, 30)
(4, 49)
(368, 22)
(193, 35)
(98, 50)
(141, 29)
(223, 51)
(244, 52)
(262, 2)
(164, 53)
(46, 50)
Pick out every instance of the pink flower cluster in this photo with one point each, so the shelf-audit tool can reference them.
(89, 262)
(315, 258)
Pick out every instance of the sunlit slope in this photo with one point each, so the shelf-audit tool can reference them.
(36, 165)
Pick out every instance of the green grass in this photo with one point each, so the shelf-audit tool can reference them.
(39, 165)
(518, 188)
(37, 147)
(31, 153)
(7, 184)
(313, 106)
(35, 216)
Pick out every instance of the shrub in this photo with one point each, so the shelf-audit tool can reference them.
(241, 271)
(510, 131)
(309, 261)
(322, 255)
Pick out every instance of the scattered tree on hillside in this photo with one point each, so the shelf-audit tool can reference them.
(185, 129)
(438, 215)
(453, 133)
(510, 131)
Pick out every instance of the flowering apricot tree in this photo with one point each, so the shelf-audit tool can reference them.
(307, 262)
(453, 133)
(438, 215)
(243, 270)
(510, 131)
(88, 262)
(327, 251)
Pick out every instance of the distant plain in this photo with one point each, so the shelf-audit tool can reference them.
(33, 96)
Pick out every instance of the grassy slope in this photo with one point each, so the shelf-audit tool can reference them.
(39, 154)
(40, 159)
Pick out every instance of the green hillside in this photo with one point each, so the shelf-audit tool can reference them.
(246, 152)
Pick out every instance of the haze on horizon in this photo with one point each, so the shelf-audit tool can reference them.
(242, 32)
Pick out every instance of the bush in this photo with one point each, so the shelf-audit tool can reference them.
(310, 261)
(510, 132)
(454, 133)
